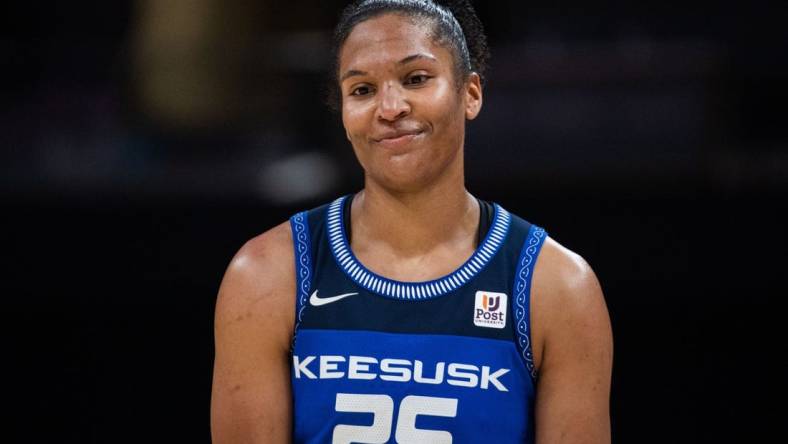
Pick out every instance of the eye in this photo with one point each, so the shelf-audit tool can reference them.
(361, 90)
(417, 79)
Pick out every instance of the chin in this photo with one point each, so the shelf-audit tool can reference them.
(405, 182)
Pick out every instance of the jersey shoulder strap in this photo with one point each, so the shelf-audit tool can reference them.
(308, 232)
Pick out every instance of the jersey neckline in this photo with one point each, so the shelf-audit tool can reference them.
(346, 260)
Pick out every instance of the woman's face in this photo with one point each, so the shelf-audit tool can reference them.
(402, 108)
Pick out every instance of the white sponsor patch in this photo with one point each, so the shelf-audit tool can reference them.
(490, 309)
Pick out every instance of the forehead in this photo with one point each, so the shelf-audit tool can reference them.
(388, 38)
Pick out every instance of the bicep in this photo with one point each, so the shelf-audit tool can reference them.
(251, 400)
(573, 389)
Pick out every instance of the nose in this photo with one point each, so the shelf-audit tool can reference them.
(393, 103)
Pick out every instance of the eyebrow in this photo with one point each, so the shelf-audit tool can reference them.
(405, 61)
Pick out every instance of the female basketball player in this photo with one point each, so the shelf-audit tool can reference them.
(410, 312)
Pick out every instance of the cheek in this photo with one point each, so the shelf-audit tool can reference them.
(450, 115)
(354, 120)
(447, 102)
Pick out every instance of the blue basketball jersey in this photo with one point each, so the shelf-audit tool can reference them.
(376, 360)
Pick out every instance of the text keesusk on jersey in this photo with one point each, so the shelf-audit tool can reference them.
(397, 370)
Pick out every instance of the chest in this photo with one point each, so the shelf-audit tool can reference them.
(442, 358)
(392, 361)
(414, 268)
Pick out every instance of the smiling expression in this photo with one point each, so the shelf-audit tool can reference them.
(403, 110)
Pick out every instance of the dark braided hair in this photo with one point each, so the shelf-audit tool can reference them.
(455, 26)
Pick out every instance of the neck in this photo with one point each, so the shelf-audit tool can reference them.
(414, 223)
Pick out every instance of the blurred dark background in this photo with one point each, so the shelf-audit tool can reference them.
(143, 142)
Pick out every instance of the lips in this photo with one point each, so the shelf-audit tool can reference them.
(396, 135)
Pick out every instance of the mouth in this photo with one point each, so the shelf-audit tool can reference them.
(398, 138)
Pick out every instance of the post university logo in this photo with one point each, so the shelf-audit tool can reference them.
(490, 309)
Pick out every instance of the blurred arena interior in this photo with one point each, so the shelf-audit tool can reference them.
(145, 141)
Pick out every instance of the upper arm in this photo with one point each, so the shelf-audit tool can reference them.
(251, 399)
(572, 330)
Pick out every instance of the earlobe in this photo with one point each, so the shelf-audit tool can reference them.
(473, 96)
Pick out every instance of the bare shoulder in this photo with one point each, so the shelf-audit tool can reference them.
(565, 275)
(573, 349)
(260, 278)
(566, 297)
(253, 330)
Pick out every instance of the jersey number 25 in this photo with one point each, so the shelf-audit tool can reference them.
(382, 409)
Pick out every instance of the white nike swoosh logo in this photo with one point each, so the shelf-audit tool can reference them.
(316, 301)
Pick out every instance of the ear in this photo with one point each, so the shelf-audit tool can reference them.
(473, 96)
